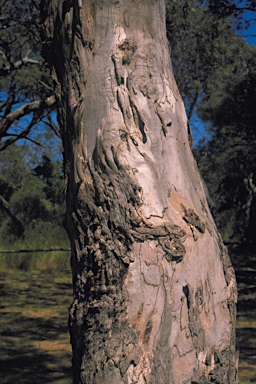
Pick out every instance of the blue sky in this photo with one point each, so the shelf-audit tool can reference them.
(250, 34)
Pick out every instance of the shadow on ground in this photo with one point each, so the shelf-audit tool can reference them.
(33, 366)
(246, 324)
(34, 344)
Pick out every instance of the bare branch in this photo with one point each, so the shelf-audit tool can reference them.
(46, 86)
(3, 105)
(7, 143)
(23, 135)
(8, 66)
(52, 126)
(26, 109)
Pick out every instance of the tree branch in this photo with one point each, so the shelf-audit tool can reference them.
(9, 66)
(7, 208)
(26, 109)
(23, 135)
(251, 184)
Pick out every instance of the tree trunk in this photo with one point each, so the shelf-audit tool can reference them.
(19, 228)
(154, 290)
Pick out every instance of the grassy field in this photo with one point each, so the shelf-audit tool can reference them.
(34, 340)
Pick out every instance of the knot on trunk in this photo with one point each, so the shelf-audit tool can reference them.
(169, 237)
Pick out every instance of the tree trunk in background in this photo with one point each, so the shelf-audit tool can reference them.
(19, 228)
(154, 290)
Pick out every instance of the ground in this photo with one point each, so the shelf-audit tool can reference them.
(34, 341)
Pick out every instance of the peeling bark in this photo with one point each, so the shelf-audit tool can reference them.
(154, 290)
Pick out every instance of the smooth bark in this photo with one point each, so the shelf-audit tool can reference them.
(154, 290)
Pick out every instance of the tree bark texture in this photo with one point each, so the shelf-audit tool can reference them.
(154, 290)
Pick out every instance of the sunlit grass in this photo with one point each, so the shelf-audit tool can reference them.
(42, 236)
(55, 260)
(247, 372)
(246, 322)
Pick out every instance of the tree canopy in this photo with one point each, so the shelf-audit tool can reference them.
(205, 50)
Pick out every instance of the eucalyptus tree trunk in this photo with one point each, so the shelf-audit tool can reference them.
(154, 290)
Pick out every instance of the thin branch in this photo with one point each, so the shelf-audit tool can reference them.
(251, 184)
(46, 86)
(7, 143)
(248, 35)
(53, 127)
(8, 66)
(34, 106)
(10, 102)
(3, 105)
(23, 135)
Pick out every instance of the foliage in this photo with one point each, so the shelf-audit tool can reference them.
(235, 9)
(228, 160)
(36, 200)
(204, 48)
(31, 206)
(13, 165)
(6, 188)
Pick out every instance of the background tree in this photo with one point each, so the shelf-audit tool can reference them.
(237, 10)
(26, 114)
(205, 51)
(31, 205)
(154, 290)
(227, 160)
(26, 96)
